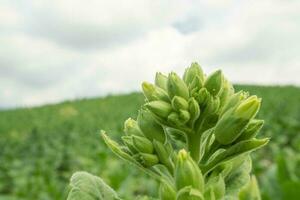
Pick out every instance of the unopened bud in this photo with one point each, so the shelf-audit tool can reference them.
(248, 108)
(189, 193)
(167, 192)
(184, 116)
(196, 83)
(194, 110)
(251, 190)
(150, 128)
(129, 143)
(163, 154)
(215, 187)
(142, 144)
(153, 93)
(214, 82)
(173, 118)
(195, 86)
(131, 127)
(161, 81)
(177, 87)
(252, 129)
(187, 172)
(148, 159)
(159, 108)
(234, 100)
(212, 105)
(227, 91)
(192, 72)
(179, 103)
(229, 127)
(202, 96)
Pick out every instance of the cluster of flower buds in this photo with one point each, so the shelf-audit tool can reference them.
(146, 141)
(215, 126)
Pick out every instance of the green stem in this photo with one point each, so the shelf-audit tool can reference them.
(193, 144)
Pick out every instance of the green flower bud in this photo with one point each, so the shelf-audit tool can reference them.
(215, 187)
(212, 105)
(252, 129)
(184, 116)
(234, 101)
(214, 83)
(129, 143)
(179, 103)
(227, 92)
(163, 154)
(195, 86)
(202, 96)
(159, 108)
(194, 110)
(173, 118)
(177, 87)
(161, 81)
(189, 193)
(229, 128)
(131, 127)
(166, 192)
(142, 144)
(148, 159)
(187, 172)
(192, 72)
(150, 128)
(248, 108)
(153, 93)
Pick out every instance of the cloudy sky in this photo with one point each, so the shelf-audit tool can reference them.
(54, 50)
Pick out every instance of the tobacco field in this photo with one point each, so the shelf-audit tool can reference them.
(40, 148)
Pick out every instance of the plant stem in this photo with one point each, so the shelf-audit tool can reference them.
(193, 144)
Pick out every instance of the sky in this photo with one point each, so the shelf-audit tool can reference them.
(55, 50)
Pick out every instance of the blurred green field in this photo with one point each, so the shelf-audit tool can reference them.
(41, 147)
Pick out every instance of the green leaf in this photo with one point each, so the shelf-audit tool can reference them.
(234, 151)
(89, 187)
(239, 175)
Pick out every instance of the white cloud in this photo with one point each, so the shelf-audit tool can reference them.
(98, 24)
(59, 50)
(8, 16)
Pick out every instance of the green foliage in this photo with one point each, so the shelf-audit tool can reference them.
(88, 187)
(41, 147)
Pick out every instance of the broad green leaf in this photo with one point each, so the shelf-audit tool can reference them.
(85, 186)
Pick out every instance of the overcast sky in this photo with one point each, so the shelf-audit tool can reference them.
(66, 49)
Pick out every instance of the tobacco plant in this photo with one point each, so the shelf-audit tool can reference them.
(193, 135)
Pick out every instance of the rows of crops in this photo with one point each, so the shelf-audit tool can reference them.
(42, 147)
